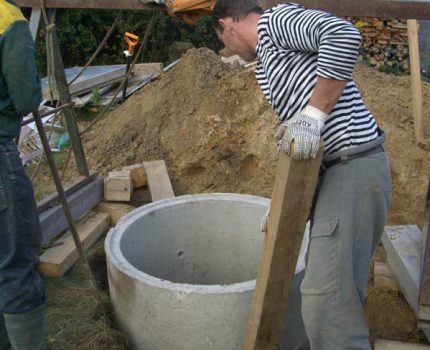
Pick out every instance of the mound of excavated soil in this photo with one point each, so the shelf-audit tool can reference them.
(208, 121)
(211, 124)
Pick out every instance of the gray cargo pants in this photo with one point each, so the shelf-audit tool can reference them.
(347, 223)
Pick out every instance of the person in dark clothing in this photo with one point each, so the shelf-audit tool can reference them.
(22, 295)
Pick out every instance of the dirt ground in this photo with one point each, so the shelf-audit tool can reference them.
(211, 124)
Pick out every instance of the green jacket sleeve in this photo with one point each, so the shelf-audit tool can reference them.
(19, 68)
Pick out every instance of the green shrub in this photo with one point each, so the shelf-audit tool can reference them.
(81, 31)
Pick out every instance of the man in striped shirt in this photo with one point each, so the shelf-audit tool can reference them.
(305, 64)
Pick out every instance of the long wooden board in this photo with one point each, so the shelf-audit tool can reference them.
(363, 8)
(91, 4)
(417, 98)
(394, 345)
(419, 9)
(294, 187)
(158, 180)
(56, 261)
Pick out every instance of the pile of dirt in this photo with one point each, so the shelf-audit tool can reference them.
(207, 120)
(213, 127)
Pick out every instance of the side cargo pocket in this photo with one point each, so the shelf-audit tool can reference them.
(321, 268)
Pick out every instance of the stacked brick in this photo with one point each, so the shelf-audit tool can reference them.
(385, 42)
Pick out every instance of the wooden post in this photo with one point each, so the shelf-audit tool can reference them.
(424, 298)
(417, 102)
(69, 113)
(293, 191)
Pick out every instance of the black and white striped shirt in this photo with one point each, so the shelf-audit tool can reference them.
(295, 45)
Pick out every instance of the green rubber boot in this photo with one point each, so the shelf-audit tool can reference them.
(4, 339)
(27, 330)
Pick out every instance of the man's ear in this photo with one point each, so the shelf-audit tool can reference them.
(226, 24)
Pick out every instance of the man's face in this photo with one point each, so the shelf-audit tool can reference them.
(232, 38)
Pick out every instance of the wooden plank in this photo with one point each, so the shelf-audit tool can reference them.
(417, 99)
(53, 220)
(118, 186)
(419, 9)
(158, 180)
(425, 263)
(383, 277)
(148, 68)
(394, 345)
(52, 200)
(294, 187)
(115, 210)
(56, 261)
(137, 174)
(92, 4)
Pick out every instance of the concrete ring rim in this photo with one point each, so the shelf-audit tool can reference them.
(119, 262)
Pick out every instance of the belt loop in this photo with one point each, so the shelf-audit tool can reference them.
(344, 159)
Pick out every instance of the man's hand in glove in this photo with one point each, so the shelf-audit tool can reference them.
(305, 130)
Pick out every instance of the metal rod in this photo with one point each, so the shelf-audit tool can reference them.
(51, 111)
(124, 91)
(62, 197)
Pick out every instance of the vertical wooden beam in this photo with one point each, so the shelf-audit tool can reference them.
(424, 298)
(69, 113)
(34, 24)
(417, 102)
(293, 191)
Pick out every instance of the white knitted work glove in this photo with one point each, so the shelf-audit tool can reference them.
(264, 221)
(305, 130)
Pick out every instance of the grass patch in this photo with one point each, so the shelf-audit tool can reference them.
(74, 320)
(395, 70)
(43, 183)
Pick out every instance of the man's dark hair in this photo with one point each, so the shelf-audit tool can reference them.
(237, 9)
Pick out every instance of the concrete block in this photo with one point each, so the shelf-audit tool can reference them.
(394, 345)
(137, 173)
(118, 186)
(383, 277)
(115, 210)
(148, 68)
(403, 245)
(56, 261)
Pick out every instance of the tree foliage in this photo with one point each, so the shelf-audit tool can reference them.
(81, 31)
